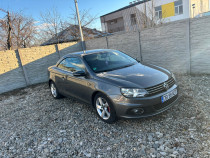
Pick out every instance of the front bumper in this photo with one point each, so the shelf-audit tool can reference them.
(151, 105)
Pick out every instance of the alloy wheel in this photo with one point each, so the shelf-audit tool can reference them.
(53, 90)
(103, 108)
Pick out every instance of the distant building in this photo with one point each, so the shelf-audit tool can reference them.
(143, 13)
(72, 34)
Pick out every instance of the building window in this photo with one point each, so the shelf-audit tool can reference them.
(113, 22)
(178, 7)
(158, 12)
(133, 19)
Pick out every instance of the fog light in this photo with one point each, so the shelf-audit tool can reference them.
(138, 111)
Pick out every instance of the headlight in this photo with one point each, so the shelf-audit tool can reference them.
(129, 92)
(173, 76)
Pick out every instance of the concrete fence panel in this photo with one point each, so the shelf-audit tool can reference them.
(200, 45)
(127, 42)
(67, 48)
(98, 43)
(167, 46)
(11, 74)
(36, 60)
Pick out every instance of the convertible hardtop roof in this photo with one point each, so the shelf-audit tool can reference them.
(87, 52)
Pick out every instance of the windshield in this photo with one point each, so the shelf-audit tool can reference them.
(108, 61)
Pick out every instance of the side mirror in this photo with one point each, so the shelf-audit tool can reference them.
(79, 73)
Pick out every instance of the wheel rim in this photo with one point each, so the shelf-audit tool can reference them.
(53, 90)
(103, 108)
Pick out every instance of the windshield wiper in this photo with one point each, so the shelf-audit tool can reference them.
(126, 66)
(116, 68)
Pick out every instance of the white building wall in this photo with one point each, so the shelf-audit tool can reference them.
(156, 3)
(139, 10)
(103, 27)
(201, 6)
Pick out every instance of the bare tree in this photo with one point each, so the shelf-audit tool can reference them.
(3, 35)
(148, 17)
(54, 29)
(85, 17)
(51, 25)
(20, 32)
(87, 21)
(7, 24)
(24, 31)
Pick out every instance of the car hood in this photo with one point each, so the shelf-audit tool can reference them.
(136, 76)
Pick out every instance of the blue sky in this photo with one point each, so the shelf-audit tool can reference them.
(33, 8)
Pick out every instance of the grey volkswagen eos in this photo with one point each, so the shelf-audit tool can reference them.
(114, 84)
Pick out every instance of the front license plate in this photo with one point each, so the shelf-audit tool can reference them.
(169, 95)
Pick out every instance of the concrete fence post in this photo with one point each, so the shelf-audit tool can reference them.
(107, 42)
(83, 44)
(140, 50)
(188, 46)
(57, 50)
(22, 67)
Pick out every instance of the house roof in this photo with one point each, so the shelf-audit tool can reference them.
(71, 33)
(126, 7)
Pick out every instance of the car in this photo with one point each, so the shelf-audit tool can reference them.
(114, 84)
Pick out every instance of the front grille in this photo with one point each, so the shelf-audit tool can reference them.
(160, 88)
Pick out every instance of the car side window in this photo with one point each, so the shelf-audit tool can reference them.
(72, 64)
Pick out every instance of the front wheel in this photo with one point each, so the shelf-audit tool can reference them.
(54, 91)
(104, 108)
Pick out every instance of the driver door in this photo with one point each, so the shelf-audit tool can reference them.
(77, 86)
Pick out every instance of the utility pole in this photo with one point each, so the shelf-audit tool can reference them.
(9, 41)
(146, 12)
(80, 27)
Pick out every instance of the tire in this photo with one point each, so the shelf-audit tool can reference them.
(104, 108)
(54, 91)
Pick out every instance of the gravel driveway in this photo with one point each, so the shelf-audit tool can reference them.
(33, 124)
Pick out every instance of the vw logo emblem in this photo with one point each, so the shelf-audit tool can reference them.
(165, 86)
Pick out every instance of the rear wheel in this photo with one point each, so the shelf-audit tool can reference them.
(54, 91)
(104, 108)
